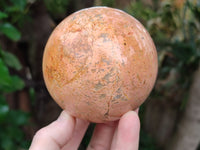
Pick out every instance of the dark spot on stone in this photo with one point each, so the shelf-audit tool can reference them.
(123, 64)
(106, 77)
(88, 103)
(112, 69)
(138, 77)
(105, 61)
(87, 96)
(74, 17)
(125, 44)
(118, 96)
(124, 99)
(99, 16)
(113, 100)
(144, 81)
(107, 113)
(102, 96)
(105, 37)
(98, 86)
(119, 90)
(93, 70)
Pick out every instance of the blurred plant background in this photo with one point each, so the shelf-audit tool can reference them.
(170, 118)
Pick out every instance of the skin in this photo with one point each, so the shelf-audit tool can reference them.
(100, 63)
(67, 132)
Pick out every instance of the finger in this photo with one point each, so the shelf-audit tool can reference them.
(55, 135)
(102, 136)
(80, 129)
(126, 135)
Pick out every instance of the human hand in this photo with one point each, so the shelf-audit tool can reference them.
(67, 132)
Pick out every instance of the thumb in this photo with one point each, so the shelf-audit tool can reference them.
(55, 135)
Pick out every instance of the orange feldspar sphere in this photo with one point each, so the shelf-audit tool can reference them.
(99, 63)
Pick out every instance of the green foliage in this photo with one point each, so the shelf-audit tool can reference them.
(3, 15)
(10, 31)
(11, 121)
(9, 83)
(14, 11)
(176, 33)
(10, 60)
(11, 136)
(32, 96)
(4, 109)
(146, 13)
(12, 15)
(56, 7)
(18, 5)
(109, 3)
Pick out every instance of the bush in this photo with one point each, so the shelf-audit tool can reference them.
(12, 14)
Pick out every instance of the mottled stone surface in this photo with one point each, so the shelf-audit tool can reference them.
(100, 63)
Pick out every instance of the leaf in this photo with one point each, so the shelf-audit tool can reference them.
(4, 74)
(4, 109)
(56, 7)
(17, 83)
(11, 60)
(3, 15)
(141, 12)
(109, 3)
(7, 144)
(9, 83)
(14, 84)
(32, 95)
(10, 31)
(2, 99)
(21, 4)
(183, 51)
(18, 118)
(15, 133)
